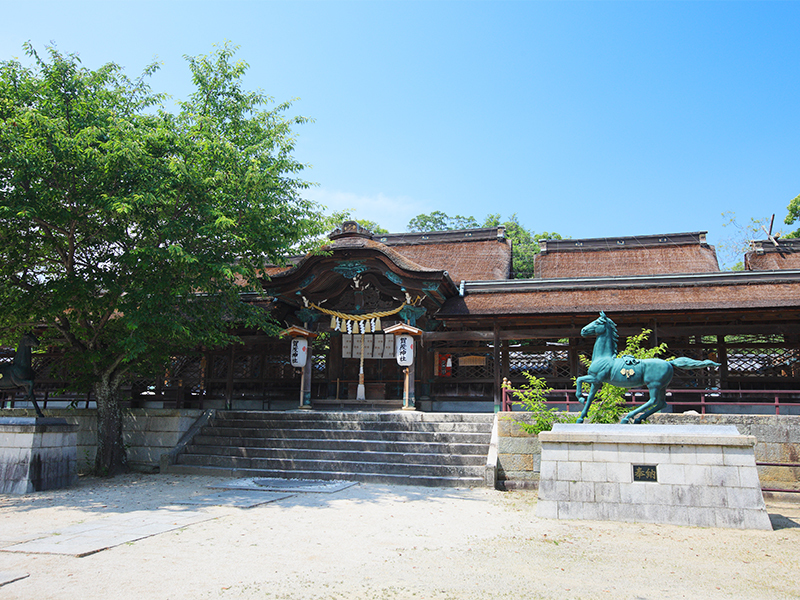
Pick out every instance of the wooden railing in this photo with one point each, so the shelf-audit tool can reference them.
(705, 399)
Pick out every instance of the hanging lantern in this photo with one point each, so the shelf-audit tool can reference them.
(404, 350)
(299, 352)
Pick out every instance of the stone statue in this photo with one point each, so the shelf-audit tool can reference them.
(628, 371)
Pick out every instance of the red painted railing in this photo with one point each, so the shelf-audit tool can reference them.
(704, 398)
(777, 398)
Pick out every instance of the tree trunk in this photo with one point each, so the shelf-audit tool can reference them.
(111, 458)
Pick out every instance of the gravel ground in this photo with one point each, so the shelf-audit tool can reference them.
(387, 542)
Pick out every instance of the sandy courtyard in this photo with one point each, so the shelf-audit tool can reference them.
(378, 542)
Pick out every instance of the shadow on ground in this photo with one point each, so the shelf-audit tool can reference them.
(781, 522)
(139, 491)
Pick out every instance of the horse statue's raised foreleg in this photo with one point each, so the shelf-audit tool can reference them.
(587, 403)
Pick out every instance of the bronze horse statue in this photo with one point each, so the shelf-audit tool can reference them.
(19, 373)
(628, 371)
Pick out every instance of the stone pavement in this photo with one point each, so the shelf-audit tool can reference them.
(93, 536)
(96, 535)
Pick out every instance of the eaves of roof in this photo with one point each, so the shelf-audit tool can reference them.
(767, 291)
(512, 286)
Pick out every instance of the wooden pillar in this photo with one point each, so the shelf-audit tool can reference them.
(722, 359)
(305, 383)
(229, 383)
(333, 366)
(498, 379)
(426, 368)
(574, 358)
(412, 387)
(409, 391)
(505, 370)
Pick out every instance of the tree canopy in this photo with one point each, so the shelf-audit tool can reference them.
(525, 241)
(439, 221)
(130, 231)
(793, 216)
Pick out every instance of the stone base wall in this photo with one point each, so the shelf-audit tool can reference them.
(777, 441)
(702, 475)
(37, 454)
(147, 432)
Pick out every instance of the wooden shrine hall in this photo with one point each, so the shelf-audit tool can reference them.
(478, 325)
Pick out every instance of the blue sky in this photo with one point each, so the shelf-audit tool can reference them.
(589, 119)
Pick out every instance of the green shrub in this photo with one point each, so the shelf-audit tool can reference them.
(531, 396)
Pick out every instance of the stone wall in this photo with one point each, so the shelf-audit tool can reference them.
(777, 441)
(518, 453)
(147, 432)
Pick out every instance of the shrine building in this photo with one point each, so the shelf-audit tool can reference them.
(477, 325)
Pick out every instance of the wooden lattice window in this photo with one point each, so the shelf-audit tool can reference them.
(246, 366)
(544, 363)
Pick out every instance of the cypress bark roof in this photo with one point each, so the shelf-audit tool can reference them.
(764, 255)
(623, 256)
(467, 254)
(719, 291)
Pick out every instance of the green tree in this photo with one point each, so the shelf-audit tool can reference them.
(525, 243)
(439, 221)
(609, 402)
(129, 231)
(338, 217)
(793, 216)
(372, 226)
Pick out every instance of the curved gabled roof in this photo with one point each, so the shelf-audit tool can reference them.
(330, 272)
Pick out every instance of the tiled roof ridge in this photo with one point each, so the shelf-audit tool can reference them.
(624, 242)
(478, 234)
(790, 245)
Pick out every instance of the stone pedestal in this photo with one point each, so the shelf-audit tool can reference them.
(702, 475)
(37, 454)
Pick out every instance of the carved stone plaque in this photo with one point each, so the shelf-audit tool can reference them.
(647, 473)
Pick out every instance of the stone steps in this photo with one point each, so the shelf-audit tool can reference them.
(333, 475)
(366, 456)
(438, 449)
(396, 435)
(400, 445)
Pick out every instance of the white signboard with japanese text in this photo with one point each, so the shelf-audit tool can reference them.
(299, 352)
(404, 346)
